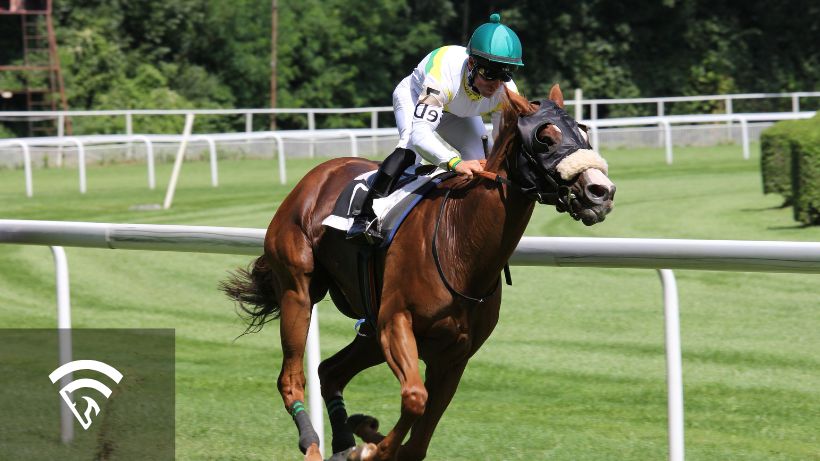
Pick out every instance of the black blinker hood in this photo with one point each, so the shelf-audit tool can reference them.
(536, 175)
(549, 113)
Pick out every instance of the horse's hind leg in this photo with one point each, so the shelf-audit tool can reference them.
(299, 291)
(335, 373)
(294, 324)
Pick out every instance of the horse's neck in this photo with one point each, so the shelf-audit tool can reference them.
(490, 222)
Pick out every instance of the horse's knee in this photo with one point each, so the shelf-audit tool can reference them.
(323, 370)
(328, 383)
(291, 385)
(414, 400)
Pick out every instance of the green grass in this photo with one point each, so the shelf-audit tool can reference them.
(574, 371)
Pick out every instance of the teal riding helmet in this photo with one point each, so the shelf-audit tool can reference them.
(496, 43)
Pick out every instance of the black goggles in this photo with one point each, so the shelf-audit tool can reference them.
(490, 74)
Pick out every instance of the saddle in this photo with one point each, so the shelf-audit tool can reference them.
(415, 182)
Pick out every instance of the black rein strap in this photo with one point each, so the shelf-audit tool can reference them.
(450, 288)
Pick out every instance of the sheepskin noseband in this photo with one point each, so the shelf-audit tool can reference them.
(580, 161)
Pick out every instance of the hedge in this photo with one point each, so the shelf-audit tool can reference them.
(776, 158)
(790, 165)
(805, 171)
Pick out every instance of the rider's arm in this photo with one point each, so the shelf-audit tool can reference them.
(426, 118)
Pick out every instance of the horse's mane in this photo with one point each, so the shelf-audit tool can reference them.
(514, 106)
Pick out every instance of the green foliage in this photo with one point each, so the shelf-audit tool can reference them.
(790, 165)
(806, 171)
(6, 133)
(340, 53)
(775, 158)
(712, 73)
(584, 46)
(347, 53)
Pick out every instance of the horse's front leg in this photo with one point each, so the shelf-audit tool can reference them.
(442, 382)
(294, 323)
(400, 350)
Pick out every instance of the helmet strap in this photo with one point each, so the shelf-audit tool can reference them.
(471, 72)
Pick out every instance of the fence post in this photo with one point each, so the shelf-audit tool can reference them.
(212, 152)
(729, 111)
(593, 115)
(60, 134)
(129, 131)
(64, 336)
(26, 166)
(186, 133)
(80, 162)
(579, 105)
(661, 113)
(667, 133)
(149, 160)
(248, 125)
(315, 402)
(312, 127)
(744, 134)
(674, 373)
(280, 147)
(374, 125)
(795, 102)
(354, 149)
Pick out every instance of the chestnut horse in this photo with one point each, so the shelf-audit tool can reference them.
(439, 279)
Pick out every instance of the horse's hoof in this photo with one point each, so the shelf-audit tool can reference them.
(354, 421)
(341, 455)
(365, 427)
(313, 453)
(364, 452)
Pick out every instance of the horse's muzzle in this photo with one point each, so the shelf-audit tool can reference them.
(594, 197)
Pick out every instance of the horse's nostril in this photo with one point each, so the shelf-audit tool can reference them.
(597, 193)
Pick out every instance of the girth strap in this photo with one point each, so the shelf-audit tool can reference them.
(368, 285)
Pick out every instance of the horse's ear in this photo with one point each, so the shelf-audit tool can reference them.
(556, 95)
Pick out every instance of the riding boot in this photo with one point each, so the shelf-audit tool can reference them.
(361, 230)
(383, 182)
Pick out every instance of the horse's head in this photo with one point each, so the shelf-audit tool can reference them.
(548, 155)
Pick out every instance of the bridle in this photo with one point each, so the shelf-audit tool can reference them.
(523, 176)
(561, 196)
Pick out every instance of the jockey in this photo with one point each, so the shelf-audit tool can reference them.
(447, 93)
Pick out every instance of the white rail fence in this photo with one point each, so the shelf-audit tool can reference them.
(581, 106)
(352, 137)
(660, 254)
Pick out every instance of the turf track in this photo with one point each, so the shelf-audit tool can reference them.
(574, 371)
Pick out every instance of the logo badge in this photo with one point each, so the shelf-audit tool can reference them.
(77, 365)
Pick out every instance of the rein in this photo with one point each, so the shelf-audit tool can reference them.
(561, 197)
(450, 288)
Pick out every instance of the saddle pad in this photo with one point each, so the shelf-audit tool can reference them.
(391, 210)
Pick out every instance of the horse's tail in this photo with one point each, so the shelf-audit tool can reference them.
(253, 291)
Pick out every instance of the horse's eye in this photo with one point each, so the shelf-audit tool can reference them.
(549, 135)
